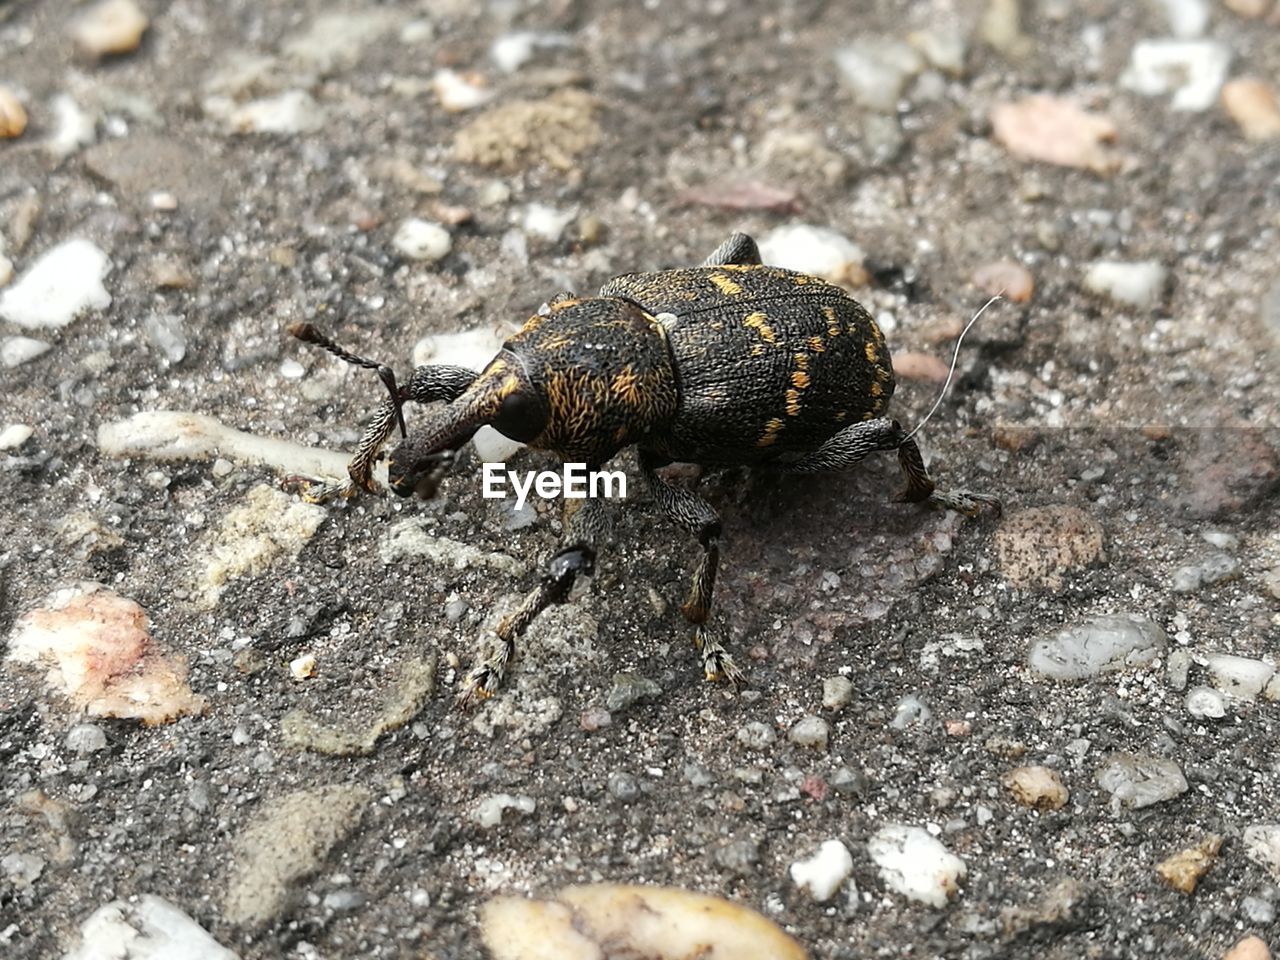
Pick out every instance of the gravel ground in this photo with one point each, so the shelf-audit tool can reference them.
(1045, 692)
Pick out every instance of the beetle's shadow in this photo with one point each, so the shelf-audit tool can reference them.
(804, 556)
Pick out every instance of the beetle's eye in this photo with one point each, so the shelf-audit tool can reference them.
(521, 417)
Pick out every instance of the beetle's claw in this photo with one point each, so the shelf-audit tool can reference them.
(716, 662)
(317, 489)
(966, 502)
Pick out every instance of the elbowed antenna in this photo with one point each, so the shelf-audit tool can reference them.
(307, 333)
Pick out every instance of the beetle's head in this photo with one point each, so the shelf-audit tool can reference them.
(503, 396)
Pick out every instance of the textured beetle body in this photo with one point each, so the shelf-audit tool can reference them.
(768, 362)
(731, 363)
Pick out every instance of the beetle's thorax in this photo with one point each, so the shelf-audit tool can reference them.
(604, 370)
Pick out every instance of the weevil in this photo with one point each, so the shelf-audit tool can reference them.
(732, 363)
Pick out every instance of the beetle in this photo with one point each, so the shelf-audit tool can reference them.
(732, 363)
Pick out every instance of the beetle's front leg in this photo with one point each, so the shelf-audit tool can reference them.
(583, 530)
(428, 384)
(697, 516)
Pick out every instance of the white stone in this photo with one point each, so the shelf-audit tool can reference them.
(511, 51)
(6, 270)
(1241, 677)
(422, 240)
(58, 286)
(837, 691)
(810, 732)
(457, 92)
(151, 929)
(336, 40)
(409, 538)
(547, 222)
(909, 711)
(14, 435)
(182, 435)
(15, 351)
(1194, 70)
(488, 810)
(809, 249)
(877, 70)
(1205, 703)
(943, 48)
(1139, 284)
(72, 127)
(1187, 18)
(1136, 780)
(821, 874)
(294, 111)
(915, 864)
(303, 667)
(1097, 645)
(1262, 846)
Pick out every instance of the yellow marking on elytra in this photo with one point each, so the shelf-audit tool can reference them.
(740, 267)
(757, 350)
(800, 379)
(771, 431)
(759, 322)
(802, 361)
(817, 344)
(841, 416)
(793, 403)
(725, 285)
(883, 374)
(876, 389)
(873, 355)
(833, 325)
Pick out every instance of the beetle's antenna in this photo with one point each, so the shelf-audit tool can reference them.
(955, 357)
(307, 333)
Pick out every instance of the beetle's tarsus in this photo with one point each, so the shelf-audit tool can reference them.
(717, 664)
(965, 501)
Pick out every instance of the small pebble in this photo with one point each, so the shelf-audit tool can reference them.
(837, 691)
(1250, 948)
(739, 855)
(821, 874)
(943, 47)
(629, 689)
(1253, 105)
(1097, 645)
(303, 667)
(168, 334)
(912, 862)
(421, 240)
(1241, 677)
(909, 711)
(1187, 18)
(1251, 9)
(86, 738)
(23, 869)
(1138, 781)
(163, 200)
(488, 810)
(1040, 788)
(1177, 667)
(13, 118)
(343, 901)
(221, 468)
(1257, 910)
(815, 250)
(63, 283)
(1139, 284)
(1057, 131)
(73, 128)
(14, 435)
(877, 71)
(289, 112)
(546, 222)
(1205, 703)
(1193, 70)
(595, 718)
(1214, 569)
(810, 732)
(1005, 277)
(624, 787)
(511, 51)
(1183, 870)
(456, 609)
(846, 780)
(458, 92)
(110, 27)
(756, 735)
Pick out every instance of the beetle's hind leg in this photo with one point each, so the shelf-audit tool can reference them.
(854, 442)
(584, 528)
(697, 516)
(739, 250)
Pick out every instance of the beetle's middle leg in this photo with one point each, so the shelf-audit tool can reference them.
(697, 516)
(584, 529)
(854, 442)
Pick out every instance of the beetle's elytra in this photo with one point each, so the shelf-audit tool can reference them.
(727, 364)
